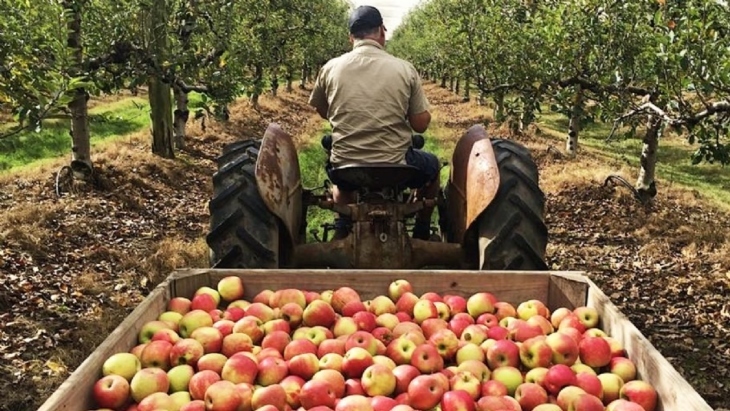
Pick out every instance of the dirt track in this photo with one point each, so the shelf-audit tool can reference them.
(71, 269)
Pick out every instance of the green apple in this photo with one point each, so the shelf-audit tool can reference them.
(179, 377)
(123, 364)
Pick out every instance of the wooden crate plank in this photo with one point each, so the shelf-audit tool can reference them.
(568, 290)
(513, 287)
(75, 393)
(675, 393)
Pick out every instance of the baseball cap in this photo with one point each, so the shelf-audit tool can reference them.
(365, 17)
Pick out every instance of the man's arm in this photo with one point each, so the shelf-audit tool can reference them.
(318, 98)
(418, 115)
(419, 122)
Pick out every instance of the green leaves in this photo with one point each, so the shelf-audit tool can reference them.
(618, 51)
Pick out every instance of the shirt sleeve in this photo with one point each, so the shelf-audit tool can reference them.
(418, 102)
(318, 98)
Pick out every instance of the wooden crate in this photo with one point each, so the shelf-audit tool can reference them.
(557, 289)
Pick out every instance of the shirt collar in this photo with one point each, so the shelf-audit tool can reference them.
(366, 42)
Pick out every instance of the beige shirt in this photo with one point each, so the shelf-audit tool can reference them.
(368, 94)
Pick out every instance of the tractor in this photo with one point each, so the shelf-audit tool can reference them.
(491, 211)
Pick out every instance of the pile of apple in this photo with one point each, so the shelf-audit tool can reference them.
(300, 350)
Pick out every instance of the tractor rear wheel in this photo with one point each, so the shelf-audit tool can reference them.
(244, 233)
(512, 232)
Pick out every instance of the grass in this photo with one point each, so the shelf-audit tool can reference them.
(674, 164)
(107, 122)
(312, 161)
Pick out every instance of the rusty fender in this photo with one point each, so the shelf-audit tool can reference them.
(279, 180)
(473, 182)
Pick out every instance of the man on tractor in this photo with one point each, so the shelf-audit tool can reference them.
(374, 102)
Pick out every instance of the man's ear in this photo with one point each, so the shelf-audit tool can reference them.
(352, 39)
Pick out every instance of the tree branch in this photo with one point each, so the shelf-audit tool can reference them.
(188, 88)
(601, 88)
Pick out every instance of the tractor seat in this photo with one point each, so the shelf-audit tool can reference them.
(375, 176)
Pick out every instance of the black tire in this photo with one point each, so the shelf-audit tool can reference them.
(512, 234)
(243, 232)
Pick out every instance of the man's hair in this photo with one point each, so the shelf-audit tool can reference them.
(361, 34)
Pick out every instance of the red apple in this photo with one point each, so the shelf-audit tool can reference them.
(382, 403)
(404, 374)
(296, 347)
(641, 393)
(240, 368)
(457, 400)
(355, 403)
(342, 296)
(536, 353)
(222, 396)
(530, 395)
(272, 395)
(503, 403)
(427, 359)
(111, 391)
(199, 383)
(493, 388)
(564, 348)
(586, 402)
(271, 371)
(594, 352)
(210, 338)
(334, 379)
(251, 326)
(503, 352)
(623, 405)
(467, 382)
(557, 377)
(318, 313)
(400, 350)
(425, 392)
(567, 395)
(303, 365)
(179, 304)
(589, 383)
(355, 361)
(316, 393)
(456, 303)
(204, 302)
(156, 354)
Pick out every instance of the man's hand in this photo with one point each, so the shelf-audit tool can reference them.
(420, 122)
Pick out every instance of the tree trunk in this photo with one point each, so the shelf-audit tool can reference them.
(80, 136)
(275, 85)
(645, 184)
(161, 115)
(443, 81)
(528, 114)
(181, 116)
(451, 84)
(303, 83)
(499, 115)
(160, 95)
(467, 90)
(574, 124)
(289, 81)
(257, 86)
(457, 87)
